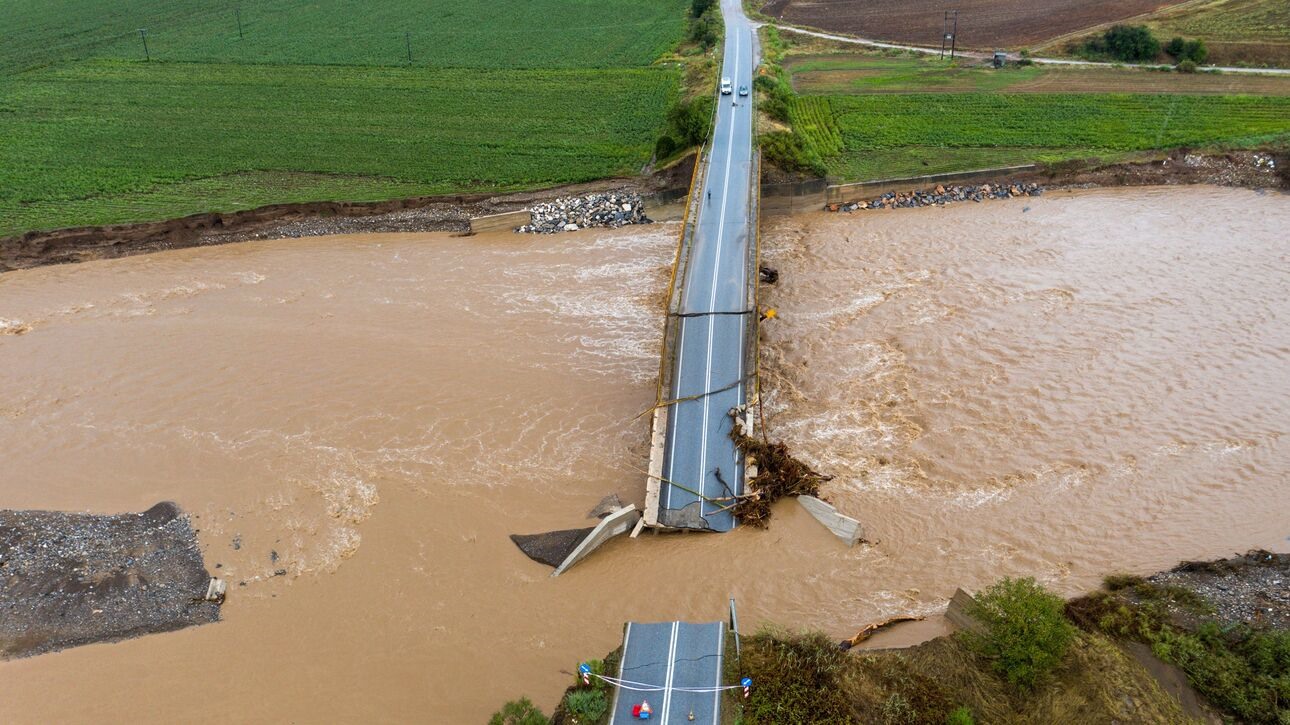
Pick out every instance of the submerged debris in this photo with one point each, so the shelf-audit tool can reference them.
(779, 474)
(570, 213)
(941, 195)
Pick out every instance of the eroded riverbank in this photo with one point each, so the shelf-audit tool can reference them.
(1058, 387)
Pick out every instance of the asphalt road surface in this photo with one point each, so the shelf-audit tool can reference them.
(699, 454)
(658, 659)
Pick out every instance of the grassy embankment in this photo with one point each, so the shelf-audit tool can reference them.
(857, 116)
(318, 101)
(1252, 33)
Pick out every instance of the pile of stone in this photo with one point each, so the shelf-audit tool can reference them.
(942, 195)
(569, 214)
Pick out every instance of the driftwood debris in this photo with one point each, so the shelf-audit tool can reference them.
(779, 474)
(870, 630)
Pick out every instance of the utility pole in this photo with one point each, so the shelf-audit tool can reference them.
(407, 36)
(954, 37)
(143, 33)
(945, 32)
(238, 10)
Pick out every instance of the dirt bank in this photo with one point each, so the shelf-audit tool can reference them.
(69, 579)
(451, 213)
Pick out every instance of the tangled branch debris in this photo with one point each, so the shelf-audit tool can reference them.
(779, 474)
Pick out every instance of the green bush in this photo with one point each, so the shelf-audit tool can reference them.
(1193, 50)
(1128, 43)
(787, 151)
(1026, 631)
(961, 715)
(689, 122)
(586, 705)
(1186, 66)
(699, 7)
(518, 712)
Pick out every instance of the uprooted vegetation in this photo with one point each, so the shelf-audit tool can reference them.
(779, 474)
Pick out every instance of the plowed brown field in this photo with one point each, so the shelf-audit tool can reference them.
(982, 23)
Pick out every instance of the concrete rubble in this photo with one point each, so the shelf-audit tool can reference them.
(611, 209)
(941, 195)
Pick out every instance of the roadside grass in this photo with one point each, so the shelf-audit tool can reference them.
(893, 135)
(463, 33)
(872, 73)
(805, 678)
(108, 141)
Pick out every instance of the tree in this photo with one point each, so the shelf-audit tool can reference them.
(1026, 633)
(1129, 43)
(1174, 48)
(1195, 51)
(699, 7)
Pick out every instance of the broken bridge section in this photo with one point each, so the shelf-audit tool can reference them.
(708, 367)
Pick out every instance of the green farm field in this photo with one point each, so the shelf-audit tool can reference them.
(317, 102)
(104, 141)
(895, 135)
(876, 73)
(442, 33)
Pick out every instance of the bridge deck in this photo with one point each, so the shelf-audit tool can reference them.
(660, 657)
(700, 462)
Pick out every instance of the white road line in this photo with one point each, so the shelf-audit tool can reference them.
(712, 300)
(622, 661)
(671, 670)
(716, 696)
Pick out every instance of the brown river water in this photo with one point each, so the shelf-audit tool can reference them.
(1059, 387)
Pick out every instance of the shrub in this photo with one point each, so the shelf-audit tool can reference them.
(786, 151)
(896, 710)
(689, 122)
(586, 705)
(1026, 630)
(797, 679)
(699, 7)
(1186, 66)
(1129, 43)
(1193, 50)
(960, 716)
(518, 712)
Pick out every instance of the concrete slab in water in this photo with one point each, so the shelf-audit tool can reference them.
(842, 526)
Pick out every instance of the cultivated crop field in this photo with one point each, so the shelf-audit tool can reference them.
(456, 34)
(315, 100)
(887, 135)
(983, 24)
(872, 73)
(79, 144)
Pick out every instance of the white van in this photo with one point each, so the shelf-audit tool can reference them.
(726, 88)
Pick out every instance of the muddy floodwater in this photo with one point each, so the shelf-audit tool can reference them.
(1058, 387)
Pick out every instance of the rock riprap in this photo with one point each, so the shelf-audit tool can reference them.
(941, 195)
(569, 214)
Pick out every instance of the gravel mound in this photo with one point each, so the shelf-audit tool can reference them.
(69, 579)
(942, 195)
(570, 213)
